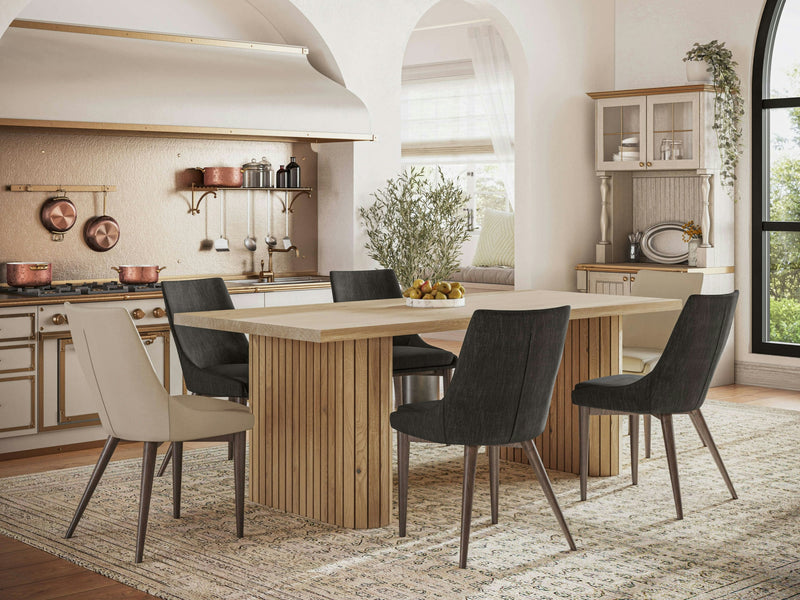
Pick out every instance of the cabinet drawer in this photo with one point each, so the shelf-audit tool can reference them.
(17, 403)
(14, 359)
(17, 327)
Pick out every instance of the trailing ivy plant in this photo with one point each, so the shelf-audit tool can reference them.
(417, 226)
(728, 103)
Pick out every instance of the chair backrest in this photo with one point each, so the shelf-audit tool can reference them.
(680, 380)
(202, 347)
(372, 284)
(652, 330)
(501, 390)
(131, 401)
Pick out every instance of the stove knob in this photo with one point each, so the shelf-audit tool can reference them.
(159, 312)
(59, 319)
(137, 313)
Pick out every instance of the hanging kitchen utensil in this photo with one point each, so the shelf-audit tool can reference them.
(58, 215)
(287, 242)
(250, 241)
(101, 233)
(221, 243)
(270, 239)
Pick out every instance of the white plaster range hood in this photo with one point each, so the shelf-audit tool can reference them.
(89, 78)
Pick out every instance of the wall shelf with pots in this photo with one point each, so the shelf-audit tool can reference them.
(212, 190)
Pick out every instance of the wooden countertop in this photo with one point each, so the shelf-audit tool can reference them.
(630, 267)
(379, 318)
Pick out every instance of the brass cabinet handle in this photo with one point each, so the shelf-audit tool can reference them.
(633, 278)
(641, 164)
(148, 340)
(649, 164)
(624, 279)
(137, 313)
(159, 312)
(59, 319)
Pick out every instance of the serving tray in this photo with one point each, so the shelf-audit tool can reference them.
(663, 243)
(420, 303)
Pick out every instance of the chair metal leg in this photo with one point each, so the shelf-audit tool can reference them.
(672, 461)
(647, 420)
(547, 488)
(699, 431)
(148, 470)
(494, 480)
(239, 440)
(470, 463)
(177, 473)
(165, 462)
(403, 447)
(702, 428)
(398, 390)
(584, 448)
(97, 473)
(634, 426)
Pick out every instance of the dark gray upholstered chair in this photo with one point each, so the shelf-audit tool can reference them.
(500, 395)
(214, 363)
(676, 385)
(411, 355)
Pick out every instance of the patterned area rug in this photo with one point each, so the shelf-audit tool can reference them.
(629, 543)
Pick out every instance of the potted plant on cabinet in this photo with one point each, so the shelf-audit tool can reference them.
(417, 226)
(728, 102)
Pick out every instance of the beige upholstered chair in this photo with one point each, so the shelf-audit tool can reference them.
(133, 405)
(645, 336)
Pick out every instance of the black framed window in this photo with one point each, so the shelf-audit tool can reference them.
(776, 181)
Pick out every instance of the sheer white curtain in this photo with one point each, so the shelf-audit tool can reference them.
(495, 82)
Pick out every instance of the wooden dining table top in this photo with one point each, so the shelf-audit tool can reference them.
(380, 318)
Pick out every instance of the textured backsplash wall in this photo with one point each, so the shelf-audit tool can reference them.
(150, 204)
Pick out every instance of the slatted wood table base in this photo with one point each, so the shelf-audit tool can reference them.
(321, 445)
(593, 349)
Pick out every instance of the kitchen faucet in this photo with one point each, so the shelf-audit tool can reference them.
(269, 275)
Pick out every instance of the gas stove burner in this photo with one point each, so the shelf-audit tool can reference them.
(85, 288)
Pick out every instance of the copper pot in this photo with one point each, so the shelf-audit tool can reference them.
(28, 274)
(138, 274)
(222, 176)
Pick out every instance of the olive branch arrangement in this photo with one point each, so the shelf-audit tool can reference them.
(416, 226)
(728, 103)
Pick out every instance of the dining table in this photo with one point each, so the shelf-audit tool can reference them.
(321, 393)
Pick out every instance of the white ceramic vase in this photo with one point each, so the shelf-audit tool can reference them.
(694, 244)
(697, 72)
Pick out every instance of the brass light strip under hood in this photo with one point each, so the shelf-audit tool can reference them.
(109, 81)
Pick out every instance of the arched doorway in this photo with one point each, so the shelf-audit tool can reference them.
(457, 114)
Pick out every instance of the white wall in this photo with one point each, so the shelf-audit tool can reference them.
(560, 50)
(651, 39)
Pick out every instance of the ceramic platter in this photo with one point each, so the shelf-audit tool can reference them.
(420, 303)
(663, 243)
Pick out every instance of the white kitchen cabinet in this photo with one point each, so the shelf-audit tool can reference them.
(17, 371)
(631, 126)
(618, 284)
(298, 297)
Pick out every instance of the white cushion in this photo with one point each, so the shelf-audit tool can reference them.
(639, 360)
(496, 242)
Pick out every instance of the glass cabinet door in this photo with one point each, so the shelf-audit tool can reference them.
(620, 134)
(673, 124)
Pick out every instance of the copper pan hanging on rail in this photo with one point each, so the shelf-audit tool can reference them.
(58, 215)
(101, 233)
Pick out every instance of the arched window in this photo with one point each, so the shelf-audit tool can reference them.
(776, 181)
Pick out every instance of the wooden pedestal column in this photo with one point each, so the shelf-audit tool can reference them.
(321, 446)
(593, 349)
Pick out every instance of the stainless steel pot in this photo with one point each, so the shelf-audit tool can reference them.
(254, 174)
(222, 176)
(29, 274)
(138, 274)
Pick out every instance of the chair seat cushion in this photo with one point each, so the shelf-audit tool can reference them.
(221, 380)
(411, 359)
(197, 417)
(614, 392)
(420, 419)
(639, 360)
